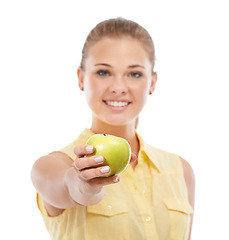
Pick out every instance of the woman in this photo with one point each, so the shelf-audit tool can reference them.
(154, 197)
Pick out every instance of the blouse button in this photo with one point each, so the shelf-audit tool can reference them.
(109, 206)
(148, 218)
(143, 191)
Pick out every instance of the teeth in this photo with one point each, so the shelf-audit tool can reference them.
(116, 104)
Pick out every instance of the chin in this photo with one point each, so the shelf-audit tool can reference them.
(118, 122)
(115, 119)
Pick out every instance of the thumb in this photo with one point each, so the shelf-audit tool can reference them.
(133, 158)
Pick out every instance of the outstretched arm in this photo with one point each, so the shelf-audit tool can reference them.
(63, 183)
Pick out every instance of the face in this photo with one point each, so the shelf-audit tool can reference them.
(117, 80)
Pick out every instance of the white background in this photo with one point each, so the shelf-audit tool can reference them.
(42, 108)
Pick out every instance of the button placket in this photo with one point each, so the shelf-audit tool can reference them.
(148, 219)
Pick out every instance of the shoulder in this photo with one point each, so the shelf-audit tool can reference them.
(189, 179)
(188, 171)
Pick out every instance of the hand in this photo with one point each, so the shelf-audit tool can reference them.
(83, 180)
(85, 185)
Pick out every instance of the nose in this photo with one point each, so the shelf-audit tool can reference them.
(118, 86)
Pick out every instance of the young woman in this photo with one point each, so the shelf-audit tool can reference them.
(154, 197)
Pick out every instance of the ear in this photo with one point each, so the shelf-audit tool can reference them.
(80, 74)
(153, 82)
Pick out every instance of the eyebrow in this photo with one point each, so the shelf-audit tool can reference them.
(103, 64)
(108, 65)
(135, 66)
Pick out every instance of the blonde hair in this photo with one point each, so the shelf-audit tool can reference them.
(116, 28)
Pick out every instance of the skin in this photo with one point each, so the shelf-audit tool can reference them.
(113, 73)
(190, 182)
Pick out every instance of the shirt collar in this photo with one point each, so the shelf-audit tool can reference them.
(85, 135)
(150, 152)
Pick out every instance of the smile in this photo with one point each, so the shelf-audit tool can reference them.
(117, 103)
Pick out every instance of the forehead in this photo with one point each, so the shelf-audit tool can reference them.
(118, 49)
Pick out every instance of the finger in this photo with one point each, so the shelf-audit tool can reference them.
(91, 173)
(81, 150)
(103, 181)
(133, 158)
(86, 162)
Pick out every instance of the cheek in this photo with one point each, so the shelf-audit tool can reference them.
(92, 90)
(141, 91)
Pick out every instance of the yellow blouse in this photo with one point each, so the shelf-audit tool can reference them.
(150, 202)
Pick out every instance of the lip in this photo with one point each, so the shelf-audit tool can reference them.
(117, 104)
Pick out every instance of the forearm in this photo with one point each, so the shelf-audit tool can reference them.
(50, 176)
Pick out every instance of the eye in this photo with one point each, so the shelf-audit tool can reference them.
(103, 73)
(135, 74)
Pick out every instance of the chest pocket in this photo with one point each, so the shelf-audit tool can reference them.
(179, 214)
(108, 220)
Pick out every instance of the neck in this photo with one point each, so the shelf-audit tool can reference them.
(124, 131)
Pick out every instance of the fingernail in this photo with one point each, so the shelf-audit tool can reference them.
(116, 179)
(99, 159)
(89, 148)
(105, 169)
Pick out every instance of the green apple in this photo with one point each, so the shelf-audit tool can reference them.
(115, 150)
